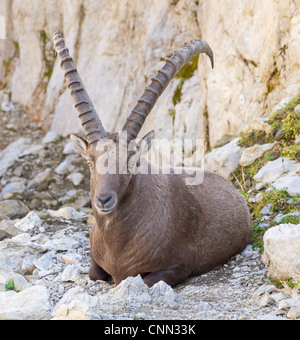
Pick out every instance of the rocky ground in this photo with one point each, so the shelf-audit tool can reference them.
(45, 222)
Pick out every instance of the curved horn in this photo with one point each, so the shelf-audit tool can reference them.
(87, 113)
(159, 83)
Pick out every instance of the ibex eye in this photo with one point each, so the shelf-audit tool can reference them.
(131, 165)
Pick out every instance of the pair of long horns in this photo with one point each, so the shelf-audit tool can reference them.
(89, 118)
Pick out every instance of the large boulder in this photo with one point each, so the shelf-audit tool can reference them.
(281, 251)
(13, 209)
(224, 160)
(33, 303)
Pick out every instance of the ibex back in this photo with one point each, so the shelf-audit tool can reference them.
(152, 224)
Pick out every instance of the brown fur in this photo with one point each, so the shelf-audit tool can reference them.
(161, 228)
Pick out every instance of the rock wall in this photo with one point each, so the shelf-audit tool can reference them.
(118, 45)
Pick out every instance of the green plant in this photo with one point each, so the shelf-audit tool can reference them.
(257, 237)
(10, 285)
(172, 113)
(252, 137)
(291, 151)
(47, 56)
(287, 120)
(279, 200)
(185, 74)
(294, 284)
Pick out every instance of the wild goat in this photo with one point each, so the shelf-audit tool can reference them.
(152, 224)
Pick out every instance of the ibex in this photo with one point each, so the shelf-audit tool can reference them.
(152, 224)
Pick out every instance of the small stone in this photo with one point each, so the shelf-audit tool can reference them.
(13, 188)
(266, 209)
(66, 166)
(7, 106)
(29, 222)
(76, 178)
(68, 213)
(249, 155)
(13, 209)
(50, 137)
(8, 226)
(71, 273)
(297, 109)
(3, 234)
(69, 148)
(294, 313)
(267, 300)
(290, 183)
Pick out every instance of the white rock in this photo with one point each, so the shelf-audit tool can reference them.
(282, 104)
(288, 303)
(62, 244)
(40, 177)
(12, 152)
(290, 183)
(20, 283)
(13, 209)
(297, 109)
(266, 209)
(76, 178)
(18, 256)
(71, 257)
(76, 305)
(50, 137)
(224, 160)
(279, 217)
(32, 149)
(71, 273)
(249, 155)
(163, 291)
(281, 251)
(29, 222)
(132, 288)
(45, 263)
(66, 166)
(68, 213)
(22, 239)
(275, 169)
(259, 124)
(69, 148)
(7, 106)
(32, 303)
(13, 188)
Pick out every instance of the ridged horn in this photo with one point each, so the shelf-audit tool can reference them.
(89, 118)
(159, 83)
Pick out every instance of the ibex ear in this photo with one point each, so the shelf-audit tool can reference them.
(80, 144)
(146, 142)
(140, 148)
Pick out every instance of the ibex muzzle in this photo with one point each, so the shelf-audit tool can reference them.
(152, 224)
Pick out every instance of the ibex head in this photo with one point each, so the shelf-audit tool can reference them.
(109, 183)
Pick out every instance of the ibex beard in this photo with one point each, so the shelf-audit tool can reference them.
(152, 224)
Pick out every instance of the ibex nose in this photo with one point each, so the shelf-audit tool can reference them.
(104, 200)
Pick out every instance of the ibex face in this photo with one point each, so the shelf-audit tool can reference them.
(112, 164)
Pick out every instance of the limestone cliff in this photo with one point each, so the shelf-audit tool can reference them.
(118, 45)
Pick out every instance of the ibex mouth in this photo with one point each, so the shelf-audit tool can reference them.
(105, 210)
